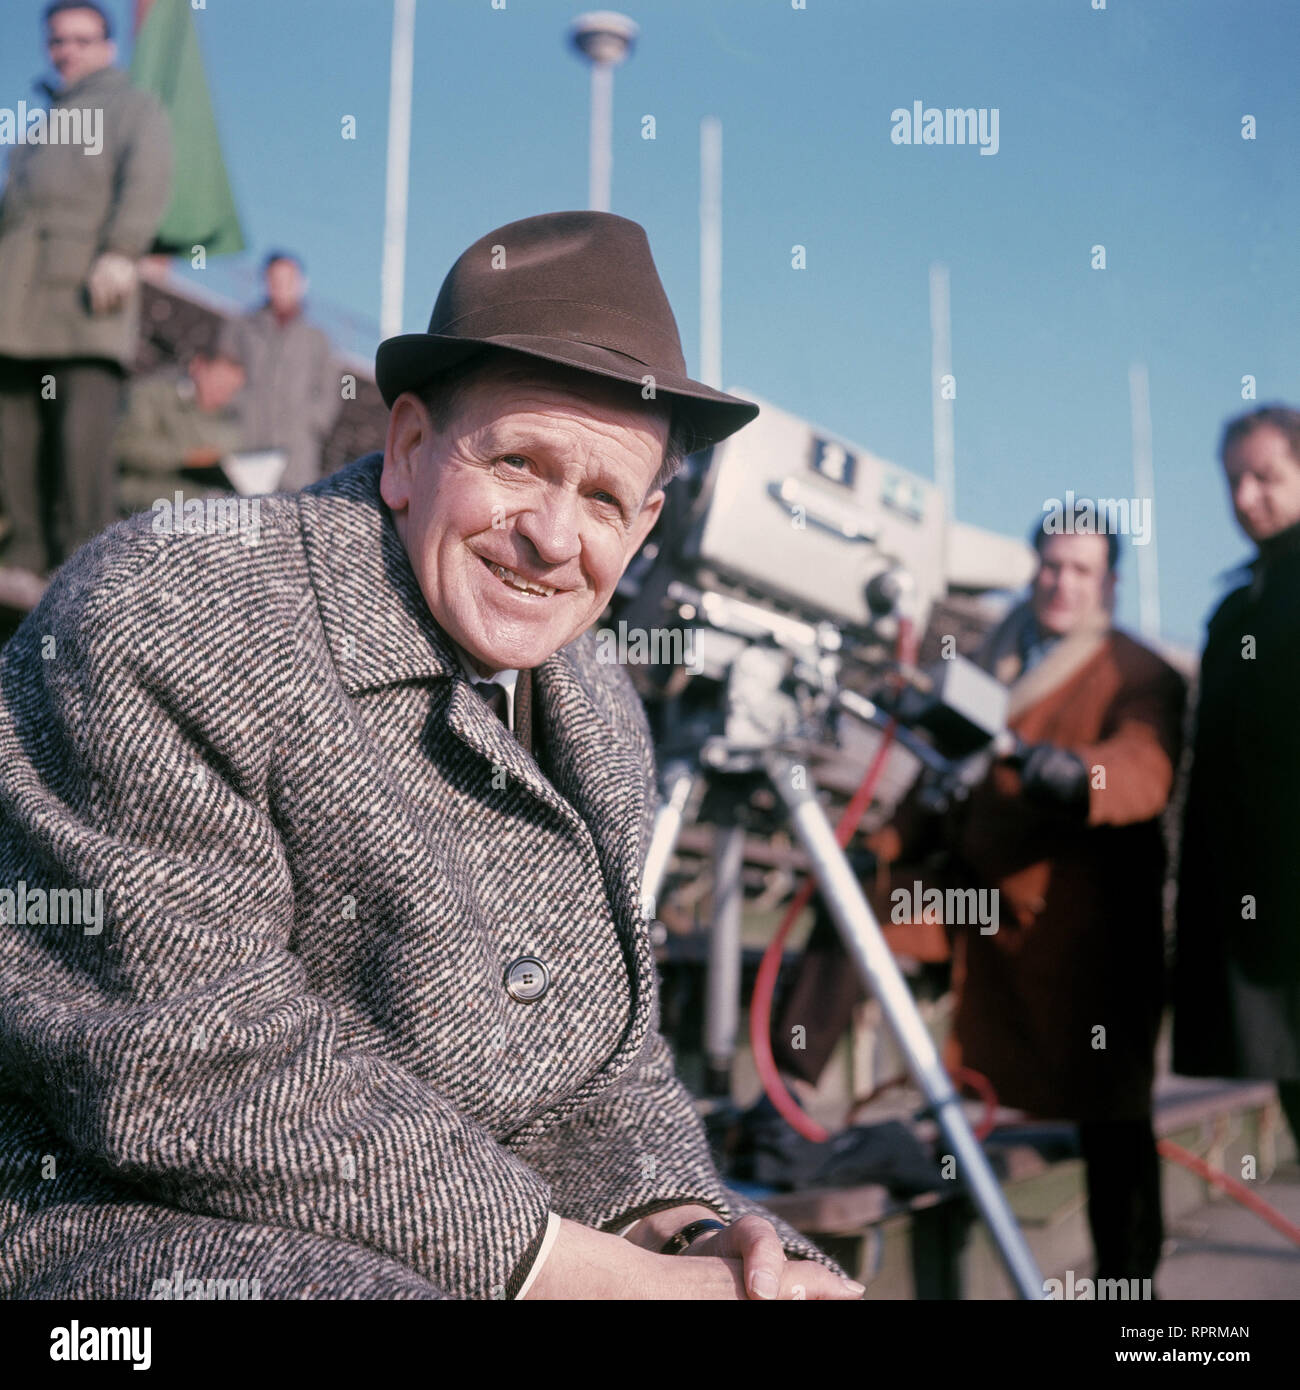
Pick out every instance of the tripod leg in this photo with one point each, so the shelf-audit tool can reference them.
(722, 1019)
(678, 783)
(884, 981)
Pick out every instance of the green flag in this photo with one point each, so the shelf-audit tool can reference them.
(167, 62)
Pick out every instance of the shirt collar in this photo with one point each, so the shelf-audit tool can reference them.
(1036, 642)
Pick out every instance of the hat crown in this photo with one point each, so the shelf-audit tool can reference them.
(578, 289)
(587, 276)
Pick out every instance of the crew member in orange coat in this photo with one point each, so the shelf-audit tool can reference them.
(1060, 1006)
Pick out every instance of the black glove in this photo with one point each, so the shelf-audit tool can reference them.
(1056, 780)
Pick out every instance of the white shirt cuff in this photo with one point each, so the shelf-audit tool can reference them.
(552, 1230)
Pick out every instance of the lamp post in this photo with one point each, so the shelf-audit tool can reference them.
(604, 39)
(392, 275)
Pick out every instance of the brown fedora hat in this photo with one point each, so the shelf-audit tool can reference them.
(577, 288)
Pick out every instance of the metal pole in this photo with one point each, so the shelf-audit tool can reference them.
(711, 252)
(940, 367)
(884, 982)
(602, 132)
(1144, 488)
(722, 1019)
(678, 783)
(401, 67)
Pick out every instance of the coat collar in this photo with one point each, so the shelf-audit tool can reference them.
(1000, 654)
(381, 633)
(376, 620)
(102, 80)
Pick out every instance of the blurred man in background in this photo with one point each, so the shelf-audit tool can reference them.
(73, 222)
(179, 424)
(1060, 1004)
(292, 397)
(1237, 976)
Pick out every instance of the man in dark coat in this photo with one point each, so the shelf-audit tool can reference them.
(1237, 971)
(1059, 1004)
(323, 965)
(75, 217)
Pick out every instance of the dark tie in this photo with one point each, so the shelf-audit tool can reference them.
(496, 699)
(527, 727)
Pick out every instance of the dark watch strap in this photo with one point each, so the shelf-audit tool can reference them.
(683, 1238)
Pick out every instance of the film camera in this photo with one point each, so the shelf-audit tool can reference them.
(772, 596)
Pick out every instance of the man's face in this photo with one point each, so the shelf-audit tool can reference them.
(77, 46)
(284, 287)
(1264, 482)
(217, 381)
(1072, 586)
(543, 474)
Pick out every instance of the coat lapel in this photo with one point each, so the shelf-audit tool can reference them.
(596, 768)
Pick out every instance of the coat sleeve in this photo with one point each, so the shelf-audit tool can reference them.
(176, 1045)
(142, 185)
(1132, 768)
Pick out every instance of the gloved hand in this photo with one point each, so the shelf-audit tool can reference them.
(1056, 780)
(111, 280)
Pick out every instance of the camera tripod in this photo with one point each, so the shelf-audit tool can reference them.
(770, 690)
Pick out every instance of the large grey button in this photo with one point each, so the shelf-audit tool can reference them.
(527, 979)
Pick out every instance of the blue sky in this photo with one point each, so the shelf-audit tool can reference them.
(1120, 127)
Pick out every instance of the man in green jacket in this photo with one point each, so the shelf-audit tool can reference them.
(88, 186)
(178, 420)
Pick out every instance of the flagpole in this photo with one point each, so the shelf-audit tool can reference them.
(941, 404)
(401, 73)
(711, 252)
(1144, 486)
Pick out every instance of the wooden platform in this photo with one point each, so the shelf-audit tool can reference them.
(906, 1245)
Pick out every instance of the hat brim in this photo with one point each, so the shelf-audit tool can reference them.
(412, 360)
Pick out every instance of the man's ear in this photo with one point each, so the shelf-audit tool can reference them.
(409, 428)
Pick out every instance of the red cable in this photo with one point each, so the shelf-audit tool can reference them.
(760, 1009)
(965, 1076)
(1177, 1154)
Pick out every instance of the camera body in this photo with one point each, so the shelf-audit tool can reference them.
(808, 520)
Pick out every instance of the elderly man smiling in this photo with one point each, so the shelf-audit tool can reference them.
(374, 1011)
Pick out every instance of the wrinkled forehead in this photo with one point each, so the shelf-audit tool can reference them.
(501, 393)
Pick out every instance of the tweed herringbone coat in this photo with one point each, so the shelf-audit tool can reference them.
(289, 1053)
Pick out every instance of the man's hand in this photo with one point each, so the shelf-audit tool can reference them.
(767, 1271)
(591, 1264)
(1056, 780)
(111, 280)
(203, 458)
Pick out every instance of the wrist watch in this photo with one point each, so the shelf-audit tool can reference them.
(683, 1238)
